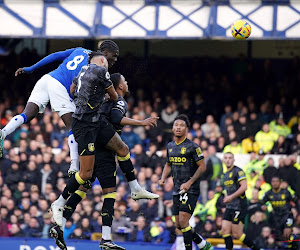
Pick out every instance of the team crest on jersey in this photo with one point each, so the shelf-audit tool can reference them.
(198, 151)
(282, 197)
(271, 196)
(230, 174)
(183, 150)
(91, 147)
(170, 150)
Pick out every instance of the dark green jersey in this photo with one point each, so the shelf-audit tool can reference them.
(232, 180)
(280, 201)
(114, 112)
(183, 158)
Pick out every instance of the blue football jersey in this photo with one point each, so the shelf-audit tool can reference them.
(70, 67)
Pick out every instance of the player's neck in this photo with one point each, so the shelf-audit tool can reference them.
(276, 190)
(229, 168)
(120, 92)
(179, 140)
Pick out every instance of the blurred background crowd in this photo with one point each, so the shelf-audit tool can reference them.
(267, 121)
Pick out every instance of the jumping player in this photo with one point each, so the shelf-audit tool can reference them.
(105, 168)
(90, 128)
(236, 204)
(185, 160)
(54, 87)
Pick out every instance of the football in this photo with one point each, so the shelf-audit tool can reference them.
(240, 30)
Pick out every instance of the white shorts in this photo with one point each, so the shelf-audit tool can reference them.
(49, 89)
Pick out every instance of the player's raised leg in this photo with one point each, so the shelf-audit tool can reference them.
(37, 102)
(121, 149)
(31, 110)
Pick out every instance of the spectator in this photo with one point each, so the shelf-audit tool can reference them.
(280, 146)
(121, 226)
(130, 138)
(70, 227)
(262, 240)
(266, 138)
(234, 147)
(16, 231)
(3, 228)
(242, 127)
(257, 222)
(78, 234)
(215, 164)
(33, 229)
(13, 176)
(295, 147)
(279, 127)
(159, 233)
(141, 232)
(46, 226)
(208, 231)
(210, 127)
(270, 171)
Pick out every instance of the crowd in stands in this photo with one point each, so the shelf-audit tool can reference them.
(239, 106)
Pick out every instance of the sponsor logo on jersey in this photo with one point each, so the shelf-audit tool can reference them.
(228, 183)
(107, 75)
(177, 159)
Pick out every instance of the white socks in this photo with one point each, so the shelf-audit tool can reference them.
(64, 220)
(202, 243)
(180, 242)
(106, 233)
(134, 186)
(13, 124)
(60, 201)
(73, 145)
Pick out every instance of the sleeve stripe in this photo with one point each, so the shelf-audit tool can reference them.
(241, 178)
(109, 86)
(200, 160)
(118, 109)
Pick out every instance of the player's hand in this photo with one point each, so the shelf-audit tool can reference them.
(185, 186)
(228, 199)
(107, 97)
(264, 207)
(152, 121)
(161, 182)
(19, 71)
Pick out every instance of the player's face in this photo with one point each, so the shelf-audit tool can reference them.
(124, 83)
(111, 57)
(179, 128)
(275, 183)
(228, 160)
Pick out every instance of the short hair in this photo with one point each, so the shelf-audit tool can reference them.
(108, 45)
(229, 153)
(275, 176)
(116, 79)
(184, 118)
(94, 54)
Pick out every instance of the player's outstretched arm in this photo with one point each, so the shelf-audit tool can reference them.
(113, 95)
(242, 189)
(200, 170)
(57, 56)
(152, 121)
(165, 174)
